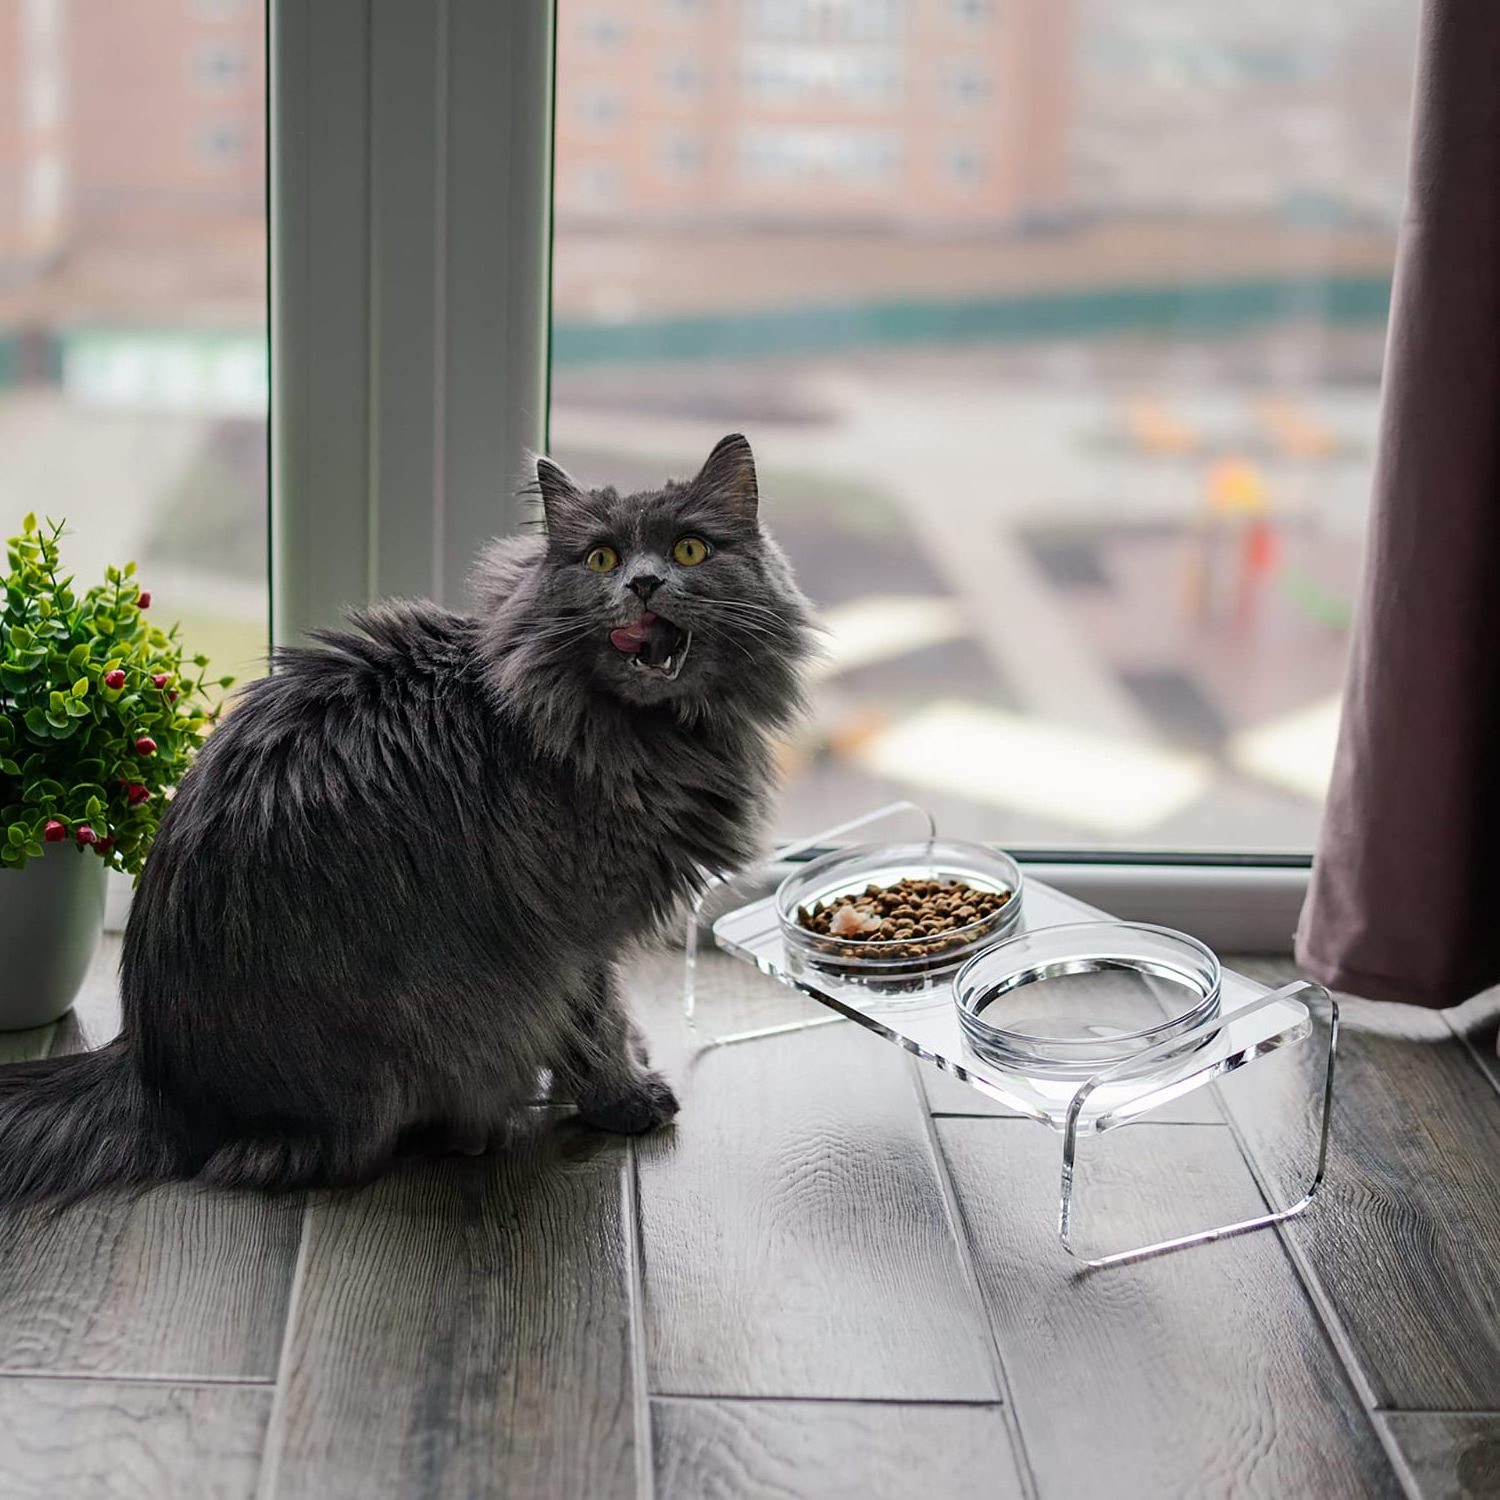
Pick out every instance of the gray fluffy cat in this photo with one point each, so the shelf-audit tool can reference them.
(395, 884)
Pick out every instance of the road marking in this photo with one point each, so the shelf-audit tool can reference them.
(880, 627)
(1094, 782)
(1294, 752)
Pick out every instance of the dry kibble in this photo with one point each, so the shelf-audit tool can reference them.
(925, 915)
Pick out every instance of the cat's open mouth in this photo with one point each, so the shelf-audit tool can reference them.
(653, 644)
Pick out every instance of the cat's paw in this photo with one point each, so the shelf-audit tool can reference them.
(650, 1103)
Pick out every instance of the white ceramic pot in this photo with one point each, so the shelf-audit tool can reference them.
(51, 915)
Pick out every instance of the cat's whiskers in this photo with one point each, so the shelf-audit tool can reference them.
(743, 616)
(743, 606)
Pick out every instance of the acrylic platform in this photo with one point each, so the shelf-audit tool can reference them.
(1272, 1051)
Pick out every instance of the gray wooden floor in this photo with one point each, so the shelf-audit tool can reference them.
(837, 1276)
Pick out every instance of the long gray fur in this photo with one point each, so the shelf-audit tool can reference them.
(396, 884)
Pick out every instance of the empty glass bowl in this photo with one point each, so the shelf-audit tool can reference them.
(910, 964)
(1069, 1001)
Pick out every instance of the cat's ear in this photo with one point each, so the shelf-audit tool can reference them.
(561, 497)
(728, 476)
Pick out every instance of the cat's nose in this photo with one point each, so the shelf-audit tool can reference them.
(644, 586)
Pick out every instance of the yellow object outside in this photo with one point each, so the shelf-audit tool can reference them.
(1235, 487)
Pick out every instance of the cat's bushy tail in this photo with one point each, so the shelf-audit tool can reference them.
(71, 1125)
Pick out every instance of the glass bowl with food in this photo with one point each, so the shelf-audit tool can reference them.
(897, 917)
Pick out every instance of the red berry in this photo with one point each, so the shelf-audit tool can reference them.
(115, 679)
(105, 845)
(160, 680)
(145, 745)
(86, 835)
(136, 793)
(144, 601)
(54, 832)
(172, 696)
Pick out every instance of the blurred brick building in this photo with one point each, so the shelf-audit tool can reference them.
(33, 135)
(127, 122)
(923, 114)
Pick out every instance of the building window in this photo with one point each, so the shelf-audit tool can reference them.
(682, 76)
(602, 107)
(863, 78)
(604, 32)
(966, 84)
(685, 9)
(965, 164)
(681, 155)
(221, 143)
(858, 158)
(221, 65)
(971, 12)
(825, 20)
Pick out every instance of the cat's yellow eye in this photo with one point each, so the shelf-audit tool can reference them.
(690, 551)
(602, 560)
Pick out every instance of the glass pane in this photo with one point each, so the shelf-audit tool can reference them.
(1057, 326)
(133, 357)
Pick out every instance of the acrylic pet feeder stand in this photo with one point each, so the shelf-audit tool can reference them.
(1212, 1060)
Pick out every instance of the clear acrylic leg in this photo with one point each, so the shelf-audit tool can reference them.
(1141, 1174)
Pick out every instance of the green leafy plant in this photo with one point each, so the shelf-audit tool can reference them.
(99, 717)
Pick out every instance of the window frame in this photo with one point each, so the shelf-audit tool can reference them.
(410, 306)
(396, 239)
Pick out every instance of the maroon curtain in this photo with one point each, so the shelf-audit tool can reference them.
(1405, 896)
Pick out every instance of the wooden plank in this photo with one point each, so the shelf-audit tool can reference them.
(1104, 1365)
(1447, 1455)
(177, 1282)
(796, 1240)
(1403, 1245)
(463, 1329)
(116, 1440)
(830, 1450)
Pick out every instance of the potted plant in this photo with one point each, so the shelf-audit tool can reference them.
(99, 718)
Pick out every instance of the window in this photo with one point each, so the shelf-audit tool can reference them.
(682, 76)
(965, 164)
(222, 143)
(601, 107)
(789, 76)
(133, 362)
(221, 65)
(604, 31)
(852, 157)
(681, 154)
(965, 83)
(971, 12)
(824, 20)
(1066, 418)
